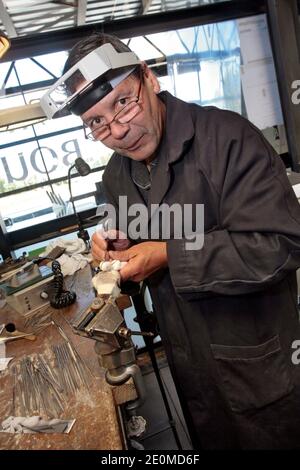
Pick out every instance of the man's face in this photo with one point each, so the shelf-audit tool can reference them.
(139, 138)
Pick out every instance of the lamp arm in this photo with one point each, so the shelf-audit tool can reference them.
(83, 234)
(70, 188)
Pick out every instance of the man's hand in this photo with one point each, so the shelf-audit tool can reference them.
(143, 260)
(104, 240)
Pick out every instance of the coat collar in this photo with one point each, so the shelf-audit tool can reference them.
(179, 131)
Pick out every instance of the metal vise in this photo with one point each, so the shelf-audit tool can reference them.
(103, 322)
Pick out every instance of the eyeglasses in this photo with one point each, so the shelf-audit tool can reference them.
(129, 111)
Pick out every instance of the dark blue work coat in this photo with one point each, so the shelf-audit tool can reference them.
(227, 312)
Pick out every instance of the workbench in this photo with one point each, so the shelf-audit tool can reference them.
(98, 424)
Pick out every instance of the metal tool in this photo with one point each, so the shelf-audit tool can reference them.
(9, 333)
(36, 388)
(103, 322)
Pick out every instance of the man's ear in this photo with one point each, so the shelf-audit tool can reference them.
(151, 78)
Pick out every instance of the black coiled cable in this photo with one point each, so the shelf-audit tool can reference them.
(61, 298)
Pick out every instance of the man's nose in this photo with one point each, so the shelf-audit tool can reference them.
(119, 131)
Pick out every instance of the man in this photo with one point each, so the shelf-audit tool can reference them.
(227, 312)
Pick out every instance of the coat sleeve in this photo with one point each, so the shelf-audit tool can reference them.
(257, 241)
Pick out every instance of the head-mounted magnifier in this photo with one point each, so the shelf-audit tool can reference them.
(97, 74)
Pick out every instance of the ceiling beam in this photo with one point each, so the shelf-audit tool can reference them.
(7, 21)
(81, 12)
(60, 40)
(62, 2)
(56, 21)
(145, 5)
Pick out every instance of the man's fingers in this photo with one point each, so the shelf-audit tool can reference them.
(110, 234)
(120, 244)
(99, 248)
(98, 253)
(121, 255)
(99, 241)
(128, 272)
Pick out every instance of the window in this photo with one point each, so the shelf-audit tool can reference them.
(200, 64)
(34, 160)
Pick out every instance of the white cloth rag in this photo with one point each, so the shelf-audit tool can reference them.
(71, 264)
(35, 424)
(72, 247)
(113, 265)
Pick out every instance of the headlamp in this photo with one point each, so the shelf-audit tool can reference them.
(97, 74)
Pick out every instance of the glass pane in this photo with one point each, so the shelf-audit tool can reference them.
(56, 125)
(60, 151)
(10, 101)
(28, 164)
(3, 71)
(45, 243)
(203, 64)
(26, 209)
(29, 72)
(49, 202)
(14, 136)
(157, 6)
(143, 48)
(83, 192)
(22, 165)
(53, 62)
